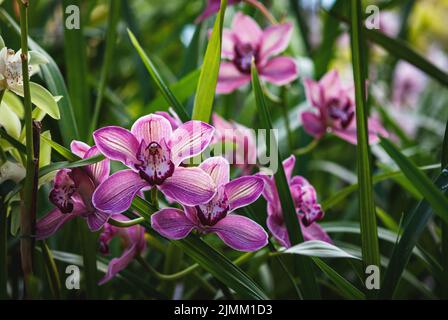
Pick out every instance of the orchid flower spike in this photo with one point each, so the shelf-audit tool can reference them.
(305, 200)
(72, 194)
(335, 106)
(246, 41)
(133, 241)
(154, 152)
(216, 216)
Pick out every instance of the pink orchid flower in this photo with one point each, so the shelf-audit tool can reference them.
(72, 194)
(305, 200)
(153, 152)
(246, 41)
(335, 106)
(244, 155)
(133, 240)
(215, 216)
(213, 7)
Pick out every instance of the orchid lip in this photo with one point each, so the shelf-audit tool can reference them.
(244, 53)
(62, 192)
(156, 165)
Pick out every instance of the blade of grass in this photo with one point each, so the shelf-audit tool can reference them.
(348, 290)
(52, 271)
(437, 200)
(369, 237)
(163, 87)
(444, 262)
(205, 93)
(413, 228)
(111, 36)
(69, 164)
(309, 287)
(76, 64)
(55, 82)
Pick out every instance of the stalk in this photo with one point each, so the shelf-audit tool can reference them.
(28, 209)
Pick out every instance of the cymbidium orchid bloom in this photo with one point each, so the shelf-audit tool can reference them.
(335, 106)
(305, 200)
(216, 216)
(72, 194)
(244, 154)
(153, 152)
(213, 7)
(133, 242)
(246, 41)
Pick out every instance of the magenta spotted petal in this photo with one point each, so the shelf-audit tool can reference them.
(154, 153)
(246, 41)
(214, 216)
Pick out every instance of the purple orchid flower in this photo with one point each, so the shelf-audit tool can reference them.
(72, 194)
(133, 240)
(246, 41)
(305, 200)
(245, 153)
(238, 232)
(153, 152)
(213, 7)
(336, 110)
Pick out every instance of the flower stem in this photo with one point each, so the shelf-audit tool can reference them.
(167, 277)
(258, 5)
(308, 148)
(52, 270)
(28, 210)
(125, 224)
(3, 251)
(154, 198)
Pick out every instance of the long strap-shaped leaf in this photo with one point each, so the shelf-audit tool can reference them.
(164, 89)
(437, 200)
(413, 228)
(369, 237)
(205, 93)
(55, 83)
(309, 286)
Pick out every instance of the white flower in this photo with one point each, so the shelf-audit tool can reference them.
(11, 76)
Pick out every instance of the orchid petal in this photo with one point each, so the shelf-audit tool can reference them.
(97, 219)
(218, 168)
(279, 71)
(275, 40)
(189, 140)
(230, 78)
(288, 166)
(189, 186)
(315, 232)
(152, 128)
(116, 193)
(228, 44)
(240, 233)
(79, 148)
(313, 124)
(98, 171)
(118, 264)
(278, 229)
(314, 93)
(243, 191)
(117, 144)
(246, 30)
(54, 220)
(172, 223)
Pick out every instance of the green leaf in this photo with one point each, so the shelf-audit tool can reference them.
(63, 151)
(45, 150)
(76, 65)
(183, 89)
(163, 87)
(111, 36)
(221, 267)
(69, 164)
(345, 192)
(413, 228)
(320, 249)
(16, 144)
(14, 103)
(55, 82)
(369, 238)
(444, 160)
(309, 286)
(10, 121)
(44, 100)
(437, 200)
(346, 288)
(402, 50)
(205, 94)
